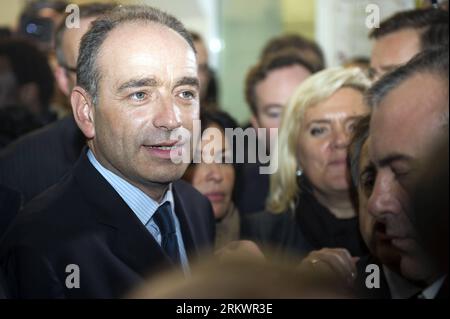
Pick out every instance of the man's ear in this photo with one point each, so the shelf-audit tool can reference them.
(83, 111)
(62, 80)
(254, 122)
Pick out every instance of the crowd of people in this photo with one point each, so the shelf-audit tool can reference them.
(90, 118)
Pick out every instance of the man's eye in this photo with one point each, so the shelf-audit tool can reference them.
(368, 182)
(138, 96)
(316, 131)
(187, 95)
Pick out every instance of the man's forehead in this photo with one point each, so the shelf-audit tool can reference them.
(407, 118)
(418, 98)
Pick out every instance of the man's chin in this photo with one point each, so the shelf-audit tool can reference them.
(166, 175)
(388, 256)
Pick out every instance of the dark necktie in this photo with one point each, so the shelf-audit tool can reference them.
(166, 224)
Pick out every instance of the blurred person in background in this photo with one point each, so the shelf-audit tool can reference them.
(5, 33)
(40, 159)
(415, 95)
(443, 4)
(15, 121)
(209, 89)
(38, 21)
(269, 85)
(310, 213)
(242, 277)
(309, 50)
(216, 178)
(405, 34)
(26, 79)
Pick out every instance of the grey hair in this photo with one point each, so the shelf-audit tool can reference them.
(430, 61)
(88, 75)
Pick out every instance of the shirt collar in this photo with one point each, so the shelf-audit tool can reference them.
(431, 291)
(140, 203)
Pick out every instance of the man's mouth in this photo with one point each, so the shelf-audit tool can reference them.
(164, 150)
(383, 235)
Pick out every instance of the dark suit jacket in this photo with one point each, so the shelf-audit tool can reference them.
(40, 159)
(82, 221)
(3, 291)
(252, 189)
(10, 203)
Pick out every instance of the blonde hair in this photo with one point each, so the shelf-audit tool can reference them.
(284, 187)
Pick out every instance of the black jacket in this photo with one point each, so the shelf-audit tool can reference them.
(82, 221)
(40, 159)
(10, 203)
(310, 227)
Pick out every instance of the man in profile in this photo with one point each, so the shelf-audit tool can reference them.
(121, 214)
(415, 95)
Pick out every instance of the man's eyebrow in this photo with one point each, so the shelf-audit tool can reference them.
(135, 83)
(187, 80)
(395, 158)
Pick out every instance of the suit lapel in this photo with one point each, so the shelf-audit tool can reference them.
(131, 241)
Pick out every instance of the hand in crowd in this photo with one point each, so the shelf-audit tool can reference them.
(335, 262)
(240, 248)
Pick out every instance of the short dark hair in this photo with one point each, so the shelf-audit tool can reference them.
(88, 75)
(269, 63)
(431, 61)
(88, 10)
(299, 43)
(29, 65)
(359, 137)
(431, 23)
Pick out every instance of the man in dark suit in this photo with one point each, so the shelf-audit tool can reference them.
(40, 159)
(386, 166)
(121, 214)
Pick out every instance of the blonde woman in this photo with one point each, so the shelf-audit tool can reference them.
(309, 210)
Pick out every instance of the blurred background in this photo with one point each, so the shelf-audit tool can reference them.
(235, 31)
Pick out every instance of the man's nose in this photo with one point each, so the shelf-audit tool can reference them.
(382, 200)
(167, 118)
